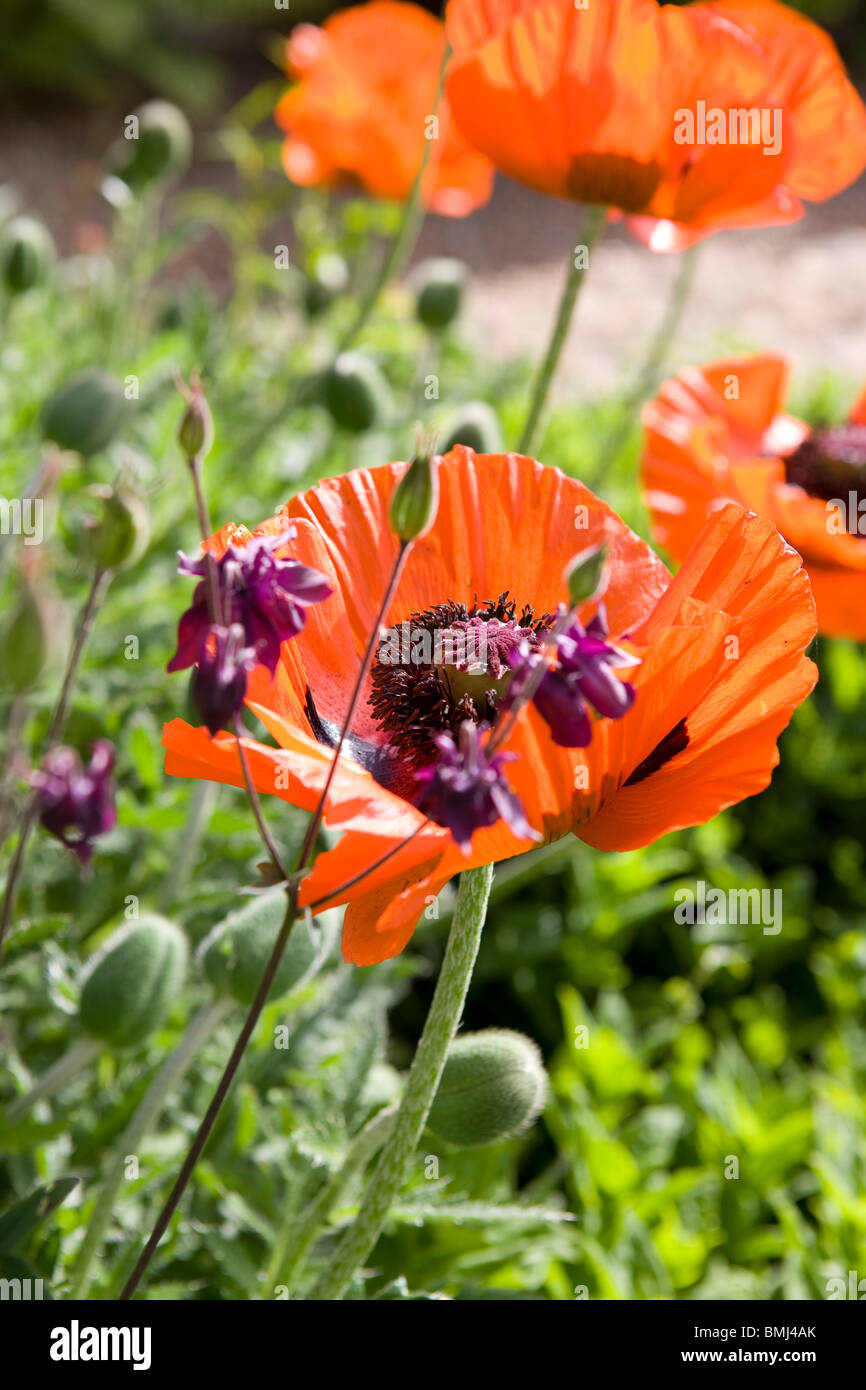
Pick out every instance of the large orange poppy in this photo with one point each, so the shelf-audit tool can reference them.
(359, 112)
(722, 668)
(720, 433)
(616, 103)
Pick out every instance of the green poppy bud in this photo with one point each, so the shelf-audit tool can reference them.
(121, 532)
(440, 285)
(85, 412)
(475, 426)
(162, 150)
(195, 431)
(24, 643)
(493, 1086)
(585, 573)
(415, 500)
(131, 984)
(324, 282)
(235, 953)
(26, 252)
(355, 392)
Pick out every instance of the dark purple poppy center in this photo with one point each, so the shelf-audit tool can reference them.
(447, 665)
(830, 464)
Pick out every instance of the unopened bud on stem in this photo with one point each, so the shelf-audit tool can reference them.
(195, 431)
(585, 574)
(415, 501)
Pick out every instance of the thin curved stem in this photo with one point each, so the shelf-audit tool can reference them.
(446, 1009)
(252, 794)
(146, 1115)
(647, 377)
(72, 1061)
(101, 579)
(590, 232)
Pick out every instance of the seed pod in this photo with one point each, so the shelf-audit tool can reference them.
(130, 986)
(26, 252)
(415, 500)
(163, 149)
(475, 426)
(24, 642)
(85, 412)
(493, 1086)
(235, 953)
(121, 533)
(440, 283)
(325, 280)
(355, 392)
(195, 432)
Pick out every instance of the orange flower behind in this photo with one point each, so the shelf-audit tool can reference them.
(617, 103)
(722, 667)
(365, 90)
(720, 433)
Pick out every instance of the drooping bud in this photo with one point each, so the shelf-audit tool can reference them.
(120, 533)
(465, 790)
(76, 803)
(493, 1086)
(195, 432)
(219, 681)
(26, 252)
(325, 280)
(440, 286)
(355, 392)
(235, 953)
(162, 149)
(85, 412)
(415, 500)
(476, 426)
(131, 985)
(584, 575)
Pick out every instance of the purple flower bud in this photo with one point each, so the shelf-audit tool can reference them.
(219, 683)
(266, 596)
(583, 677)
(465, 791)
(76, 803)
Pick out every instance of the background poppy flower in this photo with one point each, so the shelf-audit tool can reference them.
(366, 86)
(720, 433)
(722, 668)
(584, 103)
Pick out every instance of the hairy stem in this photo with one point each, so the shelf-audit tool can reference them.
(446, 1009)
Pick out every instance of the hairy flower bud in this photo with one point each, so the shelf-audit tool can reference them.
(476, 426)
(326, 279)
(235, 953)
(26, 252)
(355, 392)
(131, 985)
(493, 1086)
(85, 412)
(24, 642)
(440, 285)
(415, 500)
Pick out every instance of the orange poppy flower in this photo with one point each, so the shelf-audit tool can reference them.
(721, 670)
(720, 433)
(687, 120)
(360, 110)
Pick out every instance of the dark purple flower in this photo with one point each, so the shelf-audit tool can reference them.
(219, 682)
(76, 803)
(582, 677)
(265, 595)
(465, 791)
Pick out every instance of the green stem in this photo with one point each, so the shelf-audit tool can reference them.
(590, 232)
(297, 1234)
(142, 1121)
(452, 987)
(647, 377)
(72, 1061)
(202, 802)
(101, 579)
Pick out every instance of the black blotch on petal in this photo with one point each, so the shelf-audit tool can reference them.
(672, 743)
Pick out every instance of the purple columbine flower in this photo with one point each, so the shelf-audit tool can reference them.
(583, 677)
(76, 803)
(219, 681)
(465, 791)
(265, 595)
